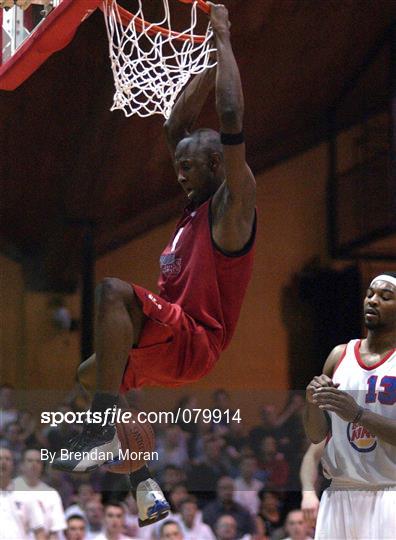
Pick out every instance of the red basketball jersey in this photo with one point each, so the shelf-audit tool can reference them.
(208, 284)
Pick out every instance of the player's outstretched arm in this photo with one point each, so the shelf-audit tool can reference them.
(316, 422)
(237, 201)
(229, 95)
(187, 108)
(230, 103)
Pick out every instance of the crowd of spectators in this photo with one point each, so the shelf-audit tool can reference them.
(224, 481)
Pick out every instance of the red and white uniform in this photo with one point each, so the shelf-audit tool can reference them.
(194, 316)
(353, 455)
(361, 501)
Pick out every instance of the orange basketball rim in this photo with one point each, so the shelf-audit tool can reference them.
(152, 29)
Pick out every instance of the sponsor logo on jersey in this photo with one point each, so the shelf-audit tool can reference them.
(170, 264)
(360, 439)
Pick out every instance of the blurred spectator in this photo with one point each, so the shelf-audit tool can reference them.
(187, 423)
(13, 441)
(204, 432)
(171, 476)
(266, 427)
(288, 419)
(131, 516)
(286, 427)
(236, 439)
(62, 483)
(225, 504)
(17, 517)
(114, 515)
(191, 521)
(94, 517)
(290, 433)
(172, 446)
(29, 435)
(175, 497)
(170, 530)
(221, 401)
(202, 477)
(247, 487)
(269, 514)
(30, 486)
(226, 528)
(85, 493)
(8, 411)
(76, 528)
(273, 464)
(296, 527)
(261, 533)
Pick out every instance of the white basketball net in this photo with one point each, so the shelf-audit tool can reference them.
(150, 70)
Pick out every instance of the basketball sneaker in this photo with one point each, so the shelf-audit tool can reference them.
(96, 445)
(151, 503)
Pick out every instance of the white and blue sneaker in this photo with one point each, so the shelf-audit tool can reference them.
(97, 445)
(151, 503)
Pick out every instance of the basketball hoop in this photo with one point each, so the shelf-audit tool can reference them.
(151, 62)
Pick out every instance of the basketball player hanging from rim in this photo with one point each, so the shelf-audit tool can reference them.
(177, 336)
(353, 404)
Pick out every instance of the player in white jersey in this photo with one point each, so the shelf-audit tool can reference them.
(353, 404)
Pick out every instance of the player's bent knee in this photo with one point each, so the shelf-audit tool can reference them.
(112, 290)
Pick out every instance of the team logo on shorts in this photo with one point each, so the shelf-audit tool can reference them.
(360, 439)
(170, 264)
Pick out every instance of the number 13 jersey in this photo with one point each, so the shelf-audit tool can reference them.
(353, 455)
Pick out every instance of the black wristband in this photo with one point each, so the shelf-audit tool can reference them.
(358, 415)
(232, 138)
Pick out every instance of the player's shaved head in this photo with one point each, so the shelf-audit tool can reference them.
(204, 141)
(207, 140)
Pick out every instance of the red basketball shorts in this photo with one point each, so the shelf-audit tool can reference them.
(173, 349)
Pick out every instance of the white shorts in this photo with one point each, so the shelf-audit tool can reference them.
(356, 514)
